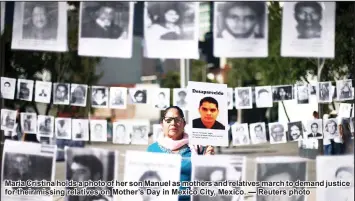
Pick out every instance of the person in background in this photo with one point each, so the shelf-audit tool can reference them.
(347, 147)
(338, 144)
(328, 144)
(176, 141)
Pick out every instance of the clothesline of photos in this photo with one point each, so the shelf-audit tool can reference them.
(119, 97)
(220, 172)
(135, 131)
(106, 29)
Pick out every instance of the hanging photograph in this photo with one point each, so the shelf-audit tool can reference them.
(118, 98)
(295, 131)
(344, 90)
(208, 113)
(28, 122)
(63, 128)
(308, 29)
(138, 96)
(230, 98)
(8, 87)
(43, 92)
(91, 164)
(40, 26)
(25, 89)
(98, 130)
(243, 98)
(277, 133)
(61, 93)
(78, 94)
(303, 93)
(263, 97)
(161, 98)
(330, 128)
(27, 161)
(140, 131)
(8, 119)
(240, 134)
(282, 93)
(99, 97)
(345, 110)
(122, 132)
(45, 126)
(80, 129)
(180, 98)
(324, 92)
(106, 29)
(171, 30)
(314, 129)
(257, 133)
(275, 169)
(157, 132)
(2, 16)
(240, 29)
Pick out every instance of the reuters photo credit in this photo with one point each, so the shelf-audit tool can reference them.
(208, 111)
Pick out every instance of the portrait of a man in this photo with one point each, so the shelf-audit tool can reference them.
(344, 90)
(78, 95)
(259, 133)
(7, 89)
(45, 126)
(120, 134)
(277, 133)
(61, 93)
(281, 93)
(308, 15)
(241, 136)
(99, 97)
(24, 91)
(302, 94)
(181, 100)
(314, 131)
(331, 128)
(161, 101)
(139, 135)
(295, 131)
(117, 98)
(98, 131)
(324, 91)
(263, 98)
(208, 109)
(244, 97)
(62, 128)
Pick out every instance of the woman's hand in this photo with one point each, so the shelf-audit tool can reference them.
(209, 150)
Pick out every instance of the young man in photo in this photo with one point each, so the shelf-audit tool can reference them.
(308, 16)
(208, 110)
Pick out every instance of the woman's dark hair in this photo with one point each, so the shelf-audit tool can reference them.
(143, 94)
(150, 174)
(180, 112)
(344, 169)
(157, 10)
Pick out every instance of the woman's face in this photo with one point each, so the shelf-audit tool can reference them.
(99, 94)
(39, 18)
(139, 97)
(175, 128)
(171, 16)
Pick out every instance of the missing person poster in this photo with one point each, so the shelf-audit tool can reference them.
(208, 109)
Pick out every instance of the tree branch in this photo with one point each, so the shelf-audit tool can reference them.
(283, 105)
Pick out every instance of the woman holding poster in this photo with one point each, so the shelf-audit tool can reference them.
(176, 141)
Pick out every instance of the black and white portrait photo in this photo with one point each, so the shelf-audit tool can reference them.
(295, 131)
(282, 93)
(303, 93)
(157, 132)
(333, 169)
(161, 98)
(330, 129)
(63, 128)
(118, 98)
(105, 26)
(308, 29)
(28, 122)
(61, 93)
(277, 132)
(237, 25)
(40, 26)
(84, 164)
(8, 119)
(173, 25)
(138, 96)
(230, 98)
(45, 126)
(43, 92)
(99, 97)
(80, 129)
(314, 129)
(263, 97)
(179, 98)
(240, 134)
(243, 98)
(98, 130)
(25, 89)
(8, 87)
(139, 134)
(121, 132)
(324, 92)
(78, 94)
(257, 132)
(272, 169)
(344, 90)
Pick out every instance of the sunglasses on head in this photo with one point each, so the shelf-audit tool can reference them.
(170, 119)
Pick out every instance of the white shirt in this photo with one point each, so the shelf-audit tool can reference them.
(326, 141)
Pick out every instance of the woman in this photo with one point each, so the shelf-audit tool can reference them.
(140, 96)
(175, 141)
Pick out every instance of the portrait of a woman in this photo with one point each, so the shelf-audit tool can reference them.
(140, 96)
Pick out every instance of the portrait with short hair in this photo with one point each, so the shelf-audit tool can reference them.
(78, 94)
(25, 89)
(277, 133)
(209, 110)
(257, 132)
(63, 128)
(118, 98)
(28, 122)
(161, 99)
(240, 134)
(99, 97)
(243, 98)
(295, 131)
(303, 93)
(139, 134)
(61, 93)
(324, 92)
(263, 97)
(43, 91)
(8, 119)
(121, 132)
(98, 130)
(179, 98)
(330, 128)
(80, 129)
(282, 93)
(8, 87)
(45, 126)
(138, 96)
(344, 90)
(314, 129)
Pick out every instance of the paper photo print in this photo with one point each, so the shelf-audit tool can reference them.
(282, 93)
(61, 93)
(161, 98)
(140, 131)
(230, 98)
(218, 169)
(122, 132)
(240, 29)
(84, 164)
(40, 26)
(243, 98)
(118, 98)
(302, 37)
(324, 90)
(330, 128)
(8, 87)
(333, 169)
(303, 93)
(180, 40)
(43, 91)
(141, 166)
(105, 26)
(272, 169)
(98, 130)
(78, 94)
(240, 134)
(344, 110)
(344, 90)
(314, 129)
(157, 132)
(263, 96)
(25, 89)
(138, 96)
(277, 132)
(80, 129)
(99, 97)
(28, 122)
(13, 132)
(63, 128)
(208, 113)
(45, 126)
(179, 98)
(257, 133)
(295, 131)
(8, 119)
